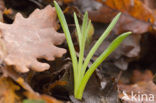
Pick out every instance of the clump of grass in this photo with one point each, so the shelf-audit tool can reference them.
(81, 74)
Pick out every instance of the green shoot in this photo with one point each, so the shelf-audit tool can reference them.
(69, 41)
(81, 74)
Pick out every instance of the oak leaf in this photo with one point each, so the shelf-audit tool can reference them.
(28, 39)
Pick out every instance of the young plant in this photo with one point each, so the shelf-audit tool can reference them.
(81, 74)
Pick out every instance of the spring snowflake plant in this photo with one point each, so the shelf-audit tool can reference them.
(81, 74)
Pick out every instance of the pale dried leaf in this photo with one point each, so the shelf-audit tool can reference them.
(28, 39)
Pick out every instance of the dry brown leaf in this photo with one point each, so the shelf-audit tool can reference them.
(143, 84)
(139, 89)
(28, 39)
(14, 97)
(136, 16)
(68, 1)
(150, 3)
(135, 8)
(10, 72)
(137, 76)
(7, 91)
(2, 5)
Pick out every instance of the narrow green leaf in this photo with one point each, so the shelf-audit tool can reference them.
(100, 40)
(81, 69)
(33, 101)
(78, 29)
(99, 60)
(68, 38)
(87, 30)
(84, 24)
(82, 47)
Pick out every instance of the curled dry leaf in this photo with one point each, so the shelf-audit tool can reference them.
(28, 39)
